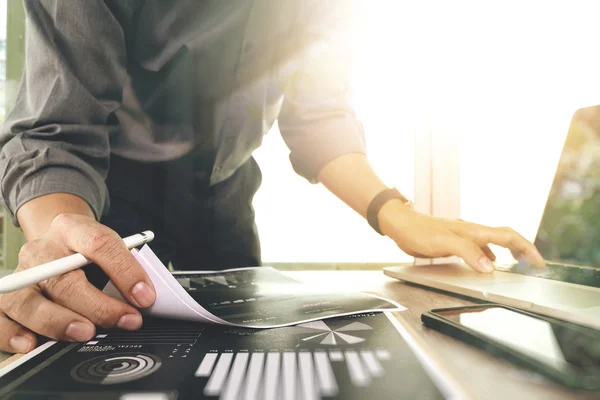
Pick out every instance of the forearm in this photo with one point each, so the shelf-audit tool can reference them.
(36, 215)
(52, 147)
(351, 178)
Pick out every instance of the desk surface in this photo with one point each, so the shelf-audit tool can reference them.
(483, 376)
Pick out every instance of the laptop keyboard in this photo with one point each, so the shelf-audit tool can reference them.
(587, 276)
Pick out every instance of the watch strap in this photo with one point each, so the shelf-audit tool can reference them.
(378, 201)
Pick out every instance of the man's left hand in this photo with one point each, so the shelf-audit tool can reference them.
(420, 235)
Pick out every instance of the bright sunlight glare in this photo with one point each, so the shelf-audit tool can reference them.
(503, 77)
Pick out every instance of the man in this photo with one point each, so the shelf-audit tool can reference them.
(155, 107)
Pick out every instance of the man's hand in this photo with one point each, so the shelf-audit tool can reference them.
(68, 307)
(351, 178)
(421, 235)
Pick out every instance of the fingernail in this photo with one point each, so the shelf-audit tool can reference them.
(79, 331)
(20, 344)
(486, 264)
(142, 293)
(130, 322)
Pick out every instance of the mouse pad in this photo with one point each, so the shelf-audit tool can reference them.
(353, 357)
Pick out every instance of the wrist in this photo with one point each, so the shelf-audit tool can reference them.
(36, 215)
(379, 201)
(395, 215)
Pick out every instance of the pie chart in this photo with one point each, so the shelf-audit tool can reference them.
(348, 334)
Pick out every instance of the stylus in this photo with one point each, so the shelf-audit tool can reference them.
(31, 276)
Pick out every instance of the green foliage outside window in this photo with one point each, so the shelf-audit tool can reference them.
(12, 52)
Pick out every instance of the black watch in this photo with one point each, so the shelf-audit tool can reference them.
(378, 201)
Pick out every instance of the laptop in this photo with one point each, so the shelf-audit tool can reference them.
(568, 238)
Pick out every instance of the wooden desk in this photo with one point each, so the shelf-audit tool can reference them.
(483, 376)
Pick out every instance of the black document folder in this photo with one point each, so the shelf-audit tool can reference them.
(362, 356)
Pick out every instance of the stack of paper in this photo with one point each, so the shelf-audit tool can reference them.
(254, 297)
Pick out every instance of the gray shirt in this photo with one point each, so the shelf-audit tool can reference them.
(152, 80)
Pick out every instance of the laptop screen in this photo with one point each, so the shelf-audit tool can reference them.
(569, 232)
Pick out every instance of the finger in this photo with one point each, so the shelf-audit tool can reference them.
(103, 246)
(505, 237)
(516, 255)
(489, 253)
(518, 245)
(73, 291)
(470, 252)
(14, 338)
(31, 309)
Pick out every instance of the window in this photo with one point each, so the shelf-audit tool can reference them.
(494, 85)
(499, 81)
(3, 19)
(300, 222)
(12, 47)
(522, 76)
(2, 104)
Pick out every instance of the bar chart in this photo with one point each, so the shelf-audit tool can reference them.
(354, 357)
(289, 375)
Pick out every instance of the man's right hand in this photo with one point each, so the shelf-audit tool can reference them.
(68, 307)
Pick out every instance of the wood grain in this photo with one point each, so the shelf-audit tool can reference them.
(483, 376)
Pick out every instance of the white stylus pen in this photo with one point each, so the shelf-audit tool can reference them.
(31, 276)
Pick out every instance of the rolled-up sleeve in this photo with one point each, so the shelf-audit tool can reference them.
(317, 119)
(56, 138)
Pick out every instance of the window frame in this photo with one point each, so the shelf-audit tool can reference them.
(437, 178)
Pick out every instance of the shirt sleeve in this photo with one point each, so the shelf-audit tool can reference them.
(56, 138)
(317, 119)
